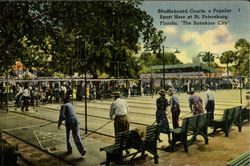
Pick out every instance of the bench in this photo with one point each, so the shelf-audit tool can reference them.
(135, 92)
(240, 117)
(130, 139)
(148, 91)
(245, 116)
(194, 125)
(237, 118)
(149, 144)
(225, 123)
(230, 116)
(242, 160)
(124, 92)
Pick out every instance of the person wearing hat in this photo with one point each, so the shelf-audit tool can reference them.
(119, 109)
(209, 104)
(161, 115)
(175, 107)
(68, 114)
(195, 103)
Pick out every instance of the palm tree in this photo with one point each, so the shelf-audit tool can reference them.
(227, 58)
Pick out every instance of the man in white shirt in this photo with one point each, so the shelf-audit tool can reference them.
(119, 109)
(26, 98)
(209, 104)
(63, 92)
(19, 95)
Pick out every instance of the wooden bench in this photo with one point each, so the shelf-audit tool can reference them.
(149, 144)
(242, 160)
(124, 92)
(148, 91)
(130, 139)
(245, 116)
(237, 117)
(194, 125)
(230, 116)
(241, 117)
(135, 92)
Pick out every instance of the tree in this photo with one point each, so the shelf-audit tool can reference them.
(147, 60)
(241, 60)
(227, 58)
(208, 57)
(59, 30)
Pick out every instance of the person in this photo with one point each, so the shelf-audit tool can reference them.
(26, 98)
(63, 92)
(161, 116)
(57, 93)
(246, 107)
(175, 107)
(87, 92)
(19, 95)
(119, 109)
(209, 104)
(94, 92)
(67, 113)
(195, 103)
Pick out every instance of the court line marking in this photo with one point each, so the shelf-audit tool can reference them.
(38, 139)
(61, 148)
(53, 138)
(38, 125)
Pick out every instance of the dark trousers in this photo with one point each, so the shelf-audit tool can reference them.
(25, 103)
(210, 111)
(74, 127)
(18, 100)
(175, 117)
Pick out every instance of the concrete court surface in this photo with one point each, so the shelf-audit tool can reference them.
(45, 136)
(218, 152)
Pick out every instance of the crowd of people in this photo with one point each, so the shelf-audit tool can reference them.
(119, 109)
(27, 94)
(164, 108)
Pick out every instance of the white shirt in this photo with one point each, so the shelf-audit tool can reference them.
(208, 96)
(119, 107)
(20, 90)
(26, 93)
(247, 105)
(63, 88)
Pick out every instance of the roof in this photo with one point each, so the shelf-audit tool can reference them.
(187, 66)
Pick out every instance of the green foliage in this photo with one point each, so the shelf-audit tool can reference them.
(51, 36)
(147, 59)
(241, 58)
(227, 58)
(208, 57)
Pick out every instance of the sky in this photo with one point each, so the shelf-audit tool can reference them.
(200, 26)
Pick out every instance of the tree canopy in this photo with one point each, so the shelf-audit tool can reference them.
(64, 36)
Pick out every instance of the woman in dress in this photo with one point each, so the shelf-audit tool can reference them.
(161, 115)
(195, 103)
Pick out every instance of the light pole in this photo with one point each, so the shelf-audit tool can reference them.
(7, 74)
(240, 81)
(85, 78)
(151, 82)
(163, 58)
